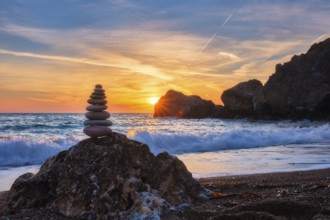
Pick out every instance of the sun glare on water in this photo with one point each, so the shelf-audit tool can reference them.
(153, 100)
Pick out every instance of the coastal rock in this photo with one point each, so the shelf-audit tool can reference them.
(96, 108)
(301, 84)
(322, 110)
(98, 122)
(97, 101)
(176, 104)
(98, 94)
(244, 99)
(297, 90)
(106, 178)
(97, 97)
(97, 115)
(97, 130)
(99, 91)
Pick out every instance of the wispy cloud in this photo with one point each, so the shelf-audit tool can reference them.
(230, 56)
(125, 63)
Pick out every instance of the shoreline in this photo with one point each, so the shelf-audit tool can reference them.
(282, 195)
(241, 177)
(298, 194)
(267, 174)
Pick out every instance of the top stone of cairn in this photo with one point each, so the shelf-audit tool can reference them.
(99, 86)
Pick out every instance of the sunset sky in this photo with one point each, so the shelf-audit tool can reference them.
(53, 52)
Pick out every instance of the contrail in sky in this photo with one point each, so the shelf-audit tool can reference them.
(223, 24)
(215, 34)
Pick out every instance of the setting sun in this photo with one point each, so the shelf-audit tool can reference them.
(153, 100)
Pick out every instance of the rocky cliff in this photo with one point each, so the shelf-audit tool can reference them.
(297, 89)
(176, 104)
(111, 177)
(299, 86)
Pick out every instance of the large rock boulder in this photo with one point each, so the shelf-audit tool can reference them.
(322, 110)
(301, 84)
(106, 178)
(176, 104)
(244, 99)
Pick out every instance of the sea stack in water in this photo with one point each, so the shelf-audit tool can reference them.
(97, 123)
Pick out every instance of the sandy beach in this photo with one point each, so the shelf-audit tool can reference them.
(290, 195)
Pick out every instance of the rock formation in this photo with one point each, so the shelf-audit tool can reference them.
(244, 99)
(110, 177)
(176, 104)
(301, 84)
(298, 89)
(322, 110)
(97, 125)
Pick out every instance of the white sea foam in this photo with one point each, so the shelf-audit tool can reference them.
(20, 152)
(232, 139)
(29, 151)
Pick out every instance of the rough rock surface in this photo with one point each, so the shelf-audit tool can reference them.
(322, 110)
(244, 99)
(301, 84)
(298, 89)
(111, 177)
(176, 104)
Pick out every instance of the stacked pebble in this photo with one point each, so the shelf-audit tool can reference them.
(97, 125)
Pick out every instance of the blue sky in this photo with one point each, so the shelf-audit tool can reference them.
(53, 52)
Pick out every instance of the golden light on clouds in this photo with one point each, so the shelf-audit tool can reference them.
(50, 65)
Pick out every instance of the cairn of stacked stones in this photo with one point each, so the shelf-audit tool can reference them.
(97, 124)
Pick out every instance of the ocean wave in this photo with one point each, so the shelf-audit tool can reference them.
(21, 152)
(234, 139)
(15, 151)
(37, 127)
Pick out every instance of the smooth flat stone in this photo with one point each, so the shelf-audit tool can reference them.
(96, 108)
(97, 115)
(99, 86)
(97, 131)
(99, 90)
(98, 122)
(97, 97)
(97, 101)
(98, 93)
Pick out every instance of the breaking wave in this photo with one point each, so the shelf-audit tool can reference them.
(21, 152)
(234, 139)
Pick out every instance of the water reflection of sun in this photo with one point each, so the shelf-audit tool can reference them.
(153, 100)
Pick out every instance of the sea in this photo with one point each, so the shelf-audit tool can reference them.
(208, 147)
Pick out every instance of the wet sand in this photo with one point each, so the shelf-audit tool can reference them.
(291, 195)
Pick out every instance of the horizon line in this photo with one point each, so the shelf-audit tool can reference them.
(72, 112)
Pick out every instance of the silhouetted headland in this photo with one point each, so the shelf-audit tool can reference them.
(299, 89)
